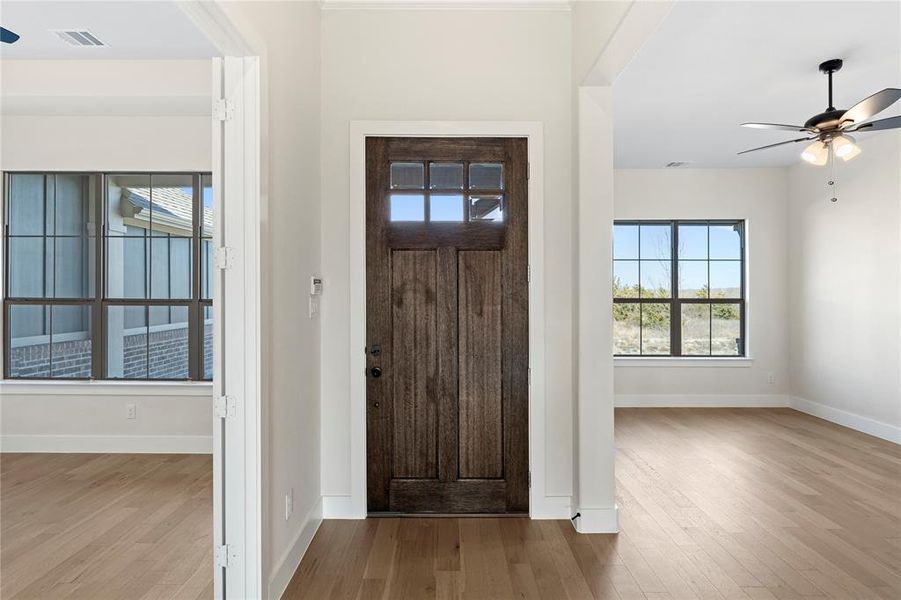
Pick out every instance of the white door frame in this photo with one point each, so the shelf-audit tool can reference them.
(238, 469)
(354, 506)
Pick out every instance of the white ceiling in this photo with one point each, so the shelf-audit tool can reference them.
(133, 30)
(714, 65)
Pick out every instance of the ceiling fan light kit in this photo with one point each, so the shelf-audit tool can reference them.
(831, 127)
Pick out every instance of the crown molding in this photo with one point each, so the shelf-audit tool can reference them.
(543, 5)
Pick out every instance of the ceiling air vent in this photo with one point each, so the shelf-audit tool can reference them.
(677, 163)
(79, 37)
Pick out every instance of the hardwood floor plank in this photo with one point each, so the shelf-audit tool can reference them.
(105, 526)
(756, 504)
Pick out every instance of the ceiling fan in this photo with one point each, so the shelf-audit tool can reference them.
(7, 36)
(830, 129)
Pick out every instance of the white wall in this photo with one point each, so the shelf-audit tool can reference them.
(761, 196)
(105, 115)
(845, 273)
(445, 65)
(96, 116)
(288, 35)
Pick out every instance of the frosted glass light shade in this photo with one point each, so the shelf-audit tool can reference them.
(816, 154)
(845, 148)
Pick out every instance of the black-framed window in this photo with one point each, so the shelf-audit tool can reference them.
(107, 276)
(679, 288)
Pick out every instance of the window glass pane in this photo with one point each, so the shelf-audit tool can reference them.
(726, 325)
(26, 204)
(171, 204)
(695, 329)
(407, 207)
(725, 241)
(626, 328)
(126, 342)
(73, 266)
(693, 241)
(446, 208)
(486, 176)
(170, 267)
(407, 176)
(446, 176)
(656, 279)
(207, 329)
(168, 344)
(486, 207)
(29, 351)
(656, 241)
(71, 339)
(27, 262)
(655, 328)
(725, 279)
(127, 204)
(70, 209)
(206, 190)
(625, 279)
(693, 279)
(127, 260)
(206, 269)
(625, 241)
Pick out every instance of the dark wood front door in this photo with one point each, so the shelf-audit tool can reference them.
(447, 325)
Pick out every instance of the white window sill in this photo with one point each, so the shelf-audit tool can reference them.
(673, 361)
(105, 388)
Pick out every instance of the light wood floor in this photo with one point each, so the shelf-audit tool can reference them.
(714, 503)
(106, 526)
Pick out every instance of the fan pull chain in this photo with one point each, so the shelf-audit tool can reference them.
(832, 189)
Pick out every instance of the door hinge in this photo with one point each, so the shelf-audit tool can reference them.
(223, 257)
(225, 556)
(528, 273)
(225, 406)
(528, 171)
(530, 375)
(223, 110)
(530, 480)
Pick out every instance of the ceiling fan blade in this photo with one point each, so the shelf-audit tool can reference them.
(803, 139)
(776, 126)
(7, 36)
(890, 123)
(868, 107)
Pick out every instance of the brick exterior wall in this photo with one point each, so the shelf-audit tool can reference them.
(168, 357)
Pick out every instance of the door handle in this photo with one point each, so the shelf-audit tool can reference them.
(376, 372)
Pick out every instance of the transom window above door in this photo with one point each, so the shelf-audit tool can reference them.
(446, 192)
(679, 288)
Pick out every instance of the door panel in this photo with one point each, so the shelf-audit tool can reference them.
(480, 381)
(447, 328)
(413, 293)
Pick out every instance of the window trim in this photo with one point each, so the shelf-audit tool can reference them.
(100, 301)
(675, 302)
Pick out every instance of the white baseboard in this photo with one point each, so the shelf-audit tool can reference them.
(286, 566)
(341, 507)
(885, 431)
(552, 507)
(701, 400)
(113, 444)
(597, 520)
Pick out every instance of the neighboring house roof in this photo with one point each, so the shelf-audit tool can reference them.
(171, 206)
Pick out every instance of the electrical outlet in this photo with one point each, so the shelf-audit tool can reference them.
(314, 307)
(131, 411)
(289, 504)
(771, 377)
